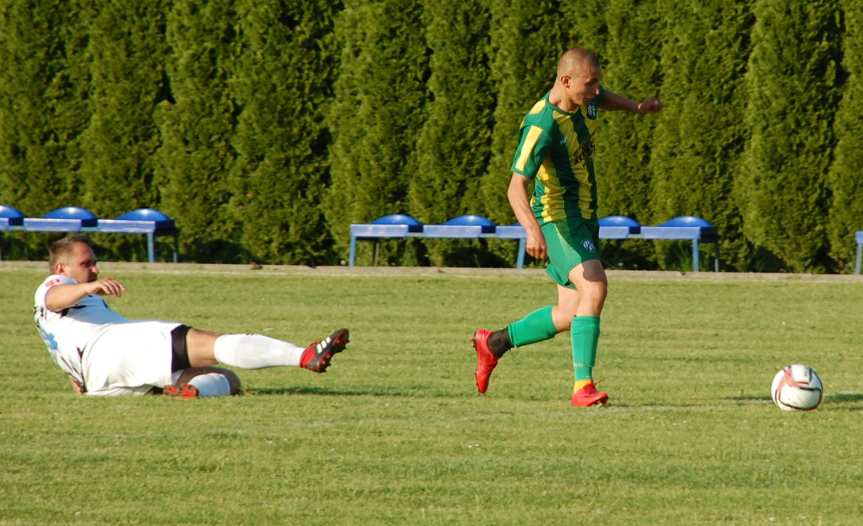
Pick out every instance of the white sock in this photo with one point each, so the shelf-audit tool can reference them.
(211, 384)
(254, 351)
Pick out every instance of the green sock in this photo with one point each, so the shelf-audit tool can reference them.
(535, 327)
(585, 335)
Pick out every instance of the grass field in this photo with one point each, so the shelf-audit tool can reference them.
(395, 433)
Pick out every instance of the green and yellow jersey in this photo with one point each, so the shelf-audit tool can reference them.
(556, 151)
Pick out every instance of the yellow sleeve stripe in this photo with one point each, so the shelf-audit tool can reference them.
(527, 147)
(538, 107)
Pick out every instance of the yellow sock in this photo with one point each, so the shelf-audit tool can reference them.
(581, 383)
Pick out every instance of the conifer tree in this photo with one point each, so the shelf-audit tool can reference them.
(631, 68)
(43, 108)
(845, 177)
(453, 145)
(283, 82)
(127, 53)
(793, 86)
(375, 118)
(196, 125)
(44, 84)
(701, 132)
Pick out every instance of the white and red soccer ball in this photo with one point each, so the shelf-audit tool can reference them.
(796, 388)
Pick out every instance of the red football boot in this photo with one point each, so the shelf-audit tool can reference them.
(485, 360)
(318, 354)
(588, 396)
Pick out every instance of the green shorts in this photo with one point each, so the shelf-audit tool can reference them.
(570, 243)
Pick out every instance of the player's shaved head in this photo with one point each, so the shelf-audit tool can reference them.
(575, 59)
(61, 250)
(578, 79)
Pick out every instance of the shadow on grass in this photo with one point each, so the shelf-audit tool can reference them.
(748, 398)
(841, 398)
(327, 391)
(832, 399)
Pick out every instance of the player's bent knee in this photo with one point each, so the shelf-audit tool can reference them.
(563, 323)
(562, 316)
(233, 380)
(211, 381)
(211, 384)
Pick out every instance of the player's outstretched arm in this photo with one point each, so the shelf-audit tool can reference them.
(61, 297)
(614, 102)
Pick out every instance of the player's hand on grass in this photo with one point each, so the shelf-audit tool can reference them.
(650, 105)
(536, 246)
(107, 287)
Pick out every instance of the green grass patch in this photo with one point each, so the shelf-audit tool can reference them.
(395, 433)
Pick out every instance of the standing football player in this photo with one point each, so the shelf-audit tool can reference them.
(555, 154)
(103, 353)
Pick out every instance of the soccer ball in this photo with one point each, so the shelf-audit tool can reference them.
(796, 388)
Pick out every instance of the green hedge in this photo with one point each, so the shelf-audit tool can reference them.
(454, 142)
(266, 129)
(283, 83)
(44, 109)
(624, 144)
(700, 135)
(793, 82)
(845, 178)
(375, 117)
(197, 123)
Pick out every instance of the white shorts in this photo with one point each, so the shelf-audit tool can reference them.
(129, 359)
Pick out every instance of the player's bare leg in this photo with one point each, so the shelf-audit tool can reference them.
(567, 306)
(200, 345)
(591, 283)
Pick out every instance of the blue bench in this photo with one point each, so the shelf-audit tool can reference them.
(685, 228)
(859, 238)
(461, 227)
(469, 227)
(10, 218)
(618, 227)
(146, 221)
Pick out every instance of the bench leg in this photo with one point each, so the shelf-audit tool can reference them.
(151, 247)
(859, 257)
(352, 254)
(519, 262)
(716, 262)
(695, 251)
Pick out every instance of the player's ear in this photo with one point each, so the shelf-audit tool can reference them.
(566, 81)
(60, 267)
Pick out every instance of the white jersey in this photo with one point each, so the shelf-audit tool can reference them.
(69, 333)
